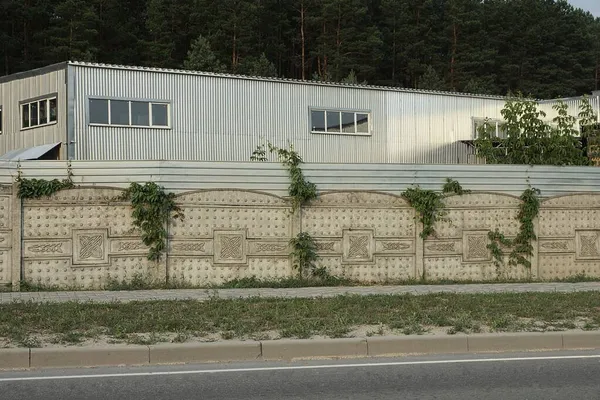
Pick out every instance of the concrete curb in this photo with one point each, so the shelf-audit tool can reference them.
(64, 357)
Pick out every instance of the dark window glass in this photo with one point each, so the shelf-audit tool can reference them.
(53, 110)
(98, 111)
(160, 115)
(25, 115)
(348, 123)
(33, 114)
(140, 113)
(362, 123)
(43, 112)
(317, 119)
(333, 121)
(119, 112)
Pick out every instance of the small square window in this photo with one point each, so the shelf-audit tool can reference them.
(348, 125)
(98, 111)
(43, 112)
(119, 112)
(362, 123)
(140, 113)
(318, 121)
(25, 115)
(53, 110)
(160, 115)
(33, 114)
(333, 121)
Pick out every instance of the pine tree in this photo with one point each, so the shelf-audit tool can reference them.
(201, 57)
(259, 67)
(430, 80)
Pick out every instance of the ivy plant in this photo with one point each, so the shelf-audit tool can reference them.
(152, 210)
(301, 191)
(38, 188)
(430, 205)
(521, 244)
(304, 253)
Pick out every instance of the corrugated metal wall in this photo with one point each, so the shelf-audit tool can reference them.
(272, 177)
(14, 91)
(218, 118)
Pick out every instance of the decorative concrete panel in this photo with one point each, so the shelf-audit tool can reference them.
(82, 238)
(6, 236)
(458, 250)
(569, 236)
(363, 231)
(226, 232)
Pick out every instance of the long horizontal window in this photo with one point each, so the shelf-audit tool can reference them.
(39, 113)
(144, 114)
(340, 122)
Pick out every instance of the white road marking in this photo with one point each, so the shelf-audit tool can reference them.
(298, 367)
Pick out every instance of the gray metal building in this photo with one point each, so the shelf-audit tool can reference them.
(85, 111)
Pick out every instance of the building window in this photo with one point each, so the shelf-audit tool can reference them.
(140, 114)
(39, 113)
(340, 122)
(496, 125)
(0, 120)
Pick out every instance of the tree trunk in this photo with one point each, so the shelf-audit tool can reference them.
(302, 11)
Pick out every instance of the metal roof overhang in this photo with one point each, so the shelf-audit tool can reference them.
(29, 153)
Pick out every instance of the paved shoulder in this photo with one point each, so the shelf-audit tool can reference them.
(205, 294)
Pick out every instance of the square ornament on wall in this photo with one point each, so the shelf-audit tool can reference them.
(90, 246)
(230, 247)
(358, 246)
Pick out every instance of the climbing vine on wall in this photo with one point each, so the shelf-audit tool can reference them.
(301, 192)
(521, 244)
(429, 204)
(152, 210)
(38, 188)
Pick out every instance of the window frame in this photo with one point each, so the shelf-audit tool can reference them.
(129, 100)
(38, 100)
(341, 111)
(1, 119)
(477, 121)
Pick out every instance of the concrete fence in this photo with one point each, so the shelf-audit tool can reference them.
(84, 237)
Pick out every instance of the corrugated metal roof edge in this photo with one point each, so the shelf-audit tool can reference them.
(281, 80)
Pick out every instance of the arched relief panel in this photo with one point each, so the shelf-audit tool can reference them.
(569, 236)
(368, 236)
(227, 234)
(459, 249)
(81, 237)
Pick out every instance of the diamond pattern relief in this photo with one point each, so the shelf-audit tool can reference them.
(90, 246)
(230, 247)
(475, 246)
(358, 246)
(588, 244)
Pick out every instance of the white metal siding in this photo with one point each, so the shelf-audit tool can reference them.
(217, 118)
(179, 176)
(15, 91)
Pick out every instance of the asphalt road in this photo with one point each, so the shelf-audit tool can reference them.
(529, 376)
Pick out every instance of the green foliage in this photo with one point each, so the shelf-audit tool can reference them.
(529, 139)
(300, 190)
(521, 244)
(430, 80)
(304, 254)
(201, 57)
(386, 42)
(259, 67)
(38, 188)
(152, 210)
(429, 204)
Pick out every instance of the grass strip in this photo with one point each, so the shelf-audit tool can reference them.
(145, 322)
